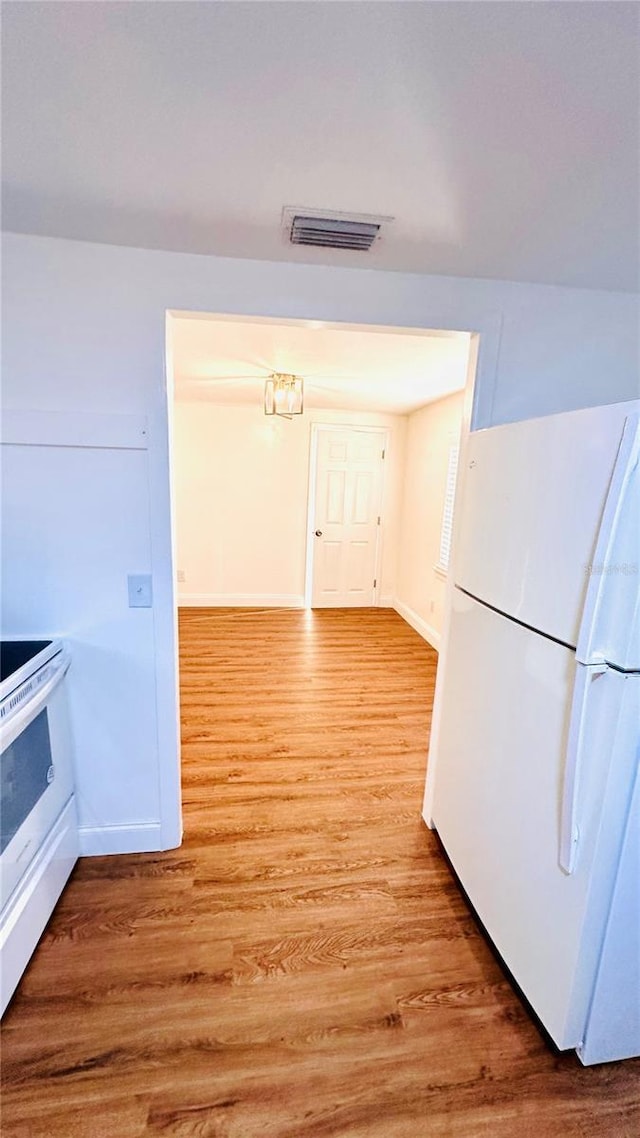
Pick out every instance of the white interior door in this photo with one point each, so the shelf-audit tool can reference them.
(346, 517)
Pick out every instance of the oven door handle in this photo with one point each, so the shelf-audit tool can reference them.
(21, 719)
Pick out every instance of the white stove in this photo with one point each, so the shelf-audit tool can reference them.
(38, 828)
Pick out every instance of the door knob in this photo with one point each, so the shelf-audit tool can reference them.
(318, 533)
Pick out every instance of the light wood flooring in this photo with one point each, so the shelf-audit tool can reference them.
(304, 966)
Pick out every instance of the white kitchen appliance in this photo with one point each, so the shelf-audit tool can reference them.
(533, 783)
(38, 828)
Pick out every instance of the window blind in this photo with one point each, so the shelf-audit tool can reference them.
(447, 512)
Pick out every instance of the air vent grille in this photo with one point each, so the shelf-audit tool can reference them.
(333, 233)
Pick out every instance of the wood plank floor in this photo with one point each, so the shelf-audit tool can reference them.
(304, 966)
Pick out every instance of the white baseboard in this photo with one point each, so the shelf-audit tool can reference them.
(421, 626)
(241, 600)
(130, 837)
(386, 602)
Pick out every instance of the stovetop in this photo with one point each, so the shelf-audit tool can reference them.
(14, 654)
(22, 659)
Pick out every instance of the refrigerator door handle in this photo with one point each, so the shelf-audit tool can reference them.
(605, 575)
(569, 829)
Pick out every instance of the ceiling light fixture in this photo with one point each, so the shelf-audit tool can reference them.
(284, 395)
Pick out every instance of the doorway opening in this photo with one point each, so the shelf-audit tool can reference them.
(246, 484)
(251, 489)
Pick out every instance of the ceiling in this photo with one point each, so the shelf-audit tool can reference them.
(227, 361)
(501, 137)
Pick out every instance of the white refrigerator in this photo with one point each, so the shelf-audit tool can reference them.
(533, 781)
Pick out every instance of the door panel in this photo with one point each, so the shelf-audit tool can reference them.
(337, 451)
(364, 491)
(330, 554)
(334, 512)
(357, 557)
(347, 506)
(365, 447)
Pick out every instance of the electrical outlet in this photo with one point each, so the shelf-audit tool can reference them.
(181, 576)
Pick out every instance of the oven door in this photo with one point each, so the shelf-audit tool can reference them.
(36, 774)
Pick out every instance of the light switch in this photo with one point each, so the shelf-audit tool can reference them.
(140, 592)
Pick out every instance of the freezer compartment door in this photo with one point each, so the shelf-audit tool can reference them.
(533, 497)
(498, 802)
(610, 627)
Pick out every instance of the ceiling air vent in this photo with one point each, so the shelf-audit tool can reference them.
(331, 230)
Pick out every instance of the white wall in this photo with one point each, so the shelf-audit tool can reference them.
(84, 331)
(241, 493)
(420, 589)
(78, 513)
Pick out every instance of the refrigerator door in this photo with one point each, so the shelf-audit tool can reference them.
(533, 496)
(499, 783)
(613, 1028)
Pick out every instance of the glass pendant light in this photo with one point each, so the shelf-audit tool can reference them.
(284, 395)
